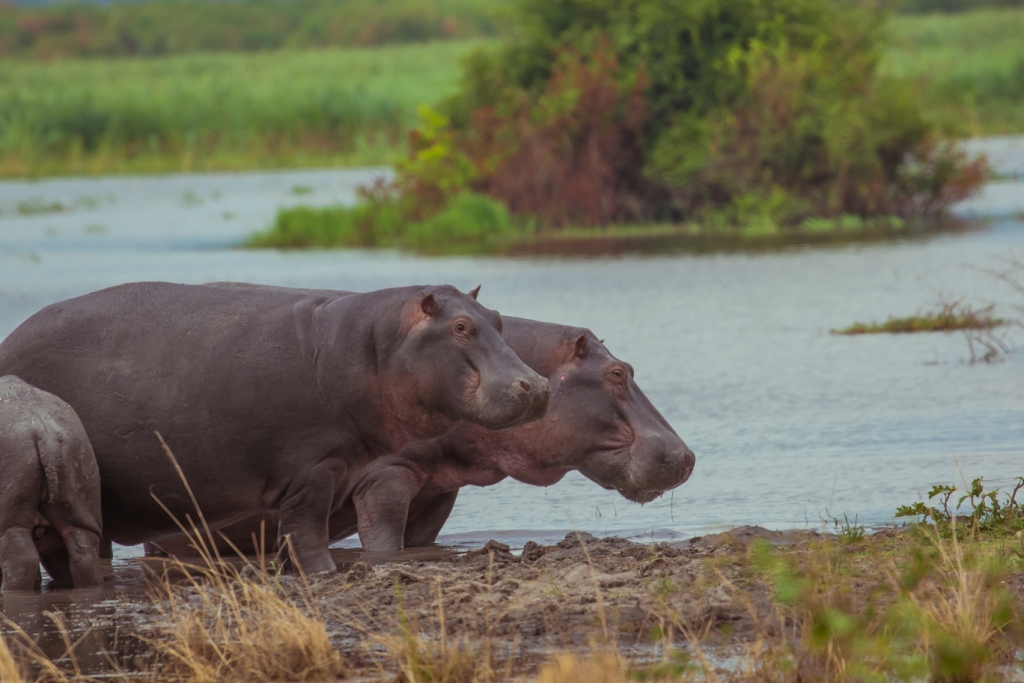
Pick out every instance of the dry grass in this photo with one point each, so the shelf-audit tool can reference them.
(915, 605)
(10, 669)
(223, 627)
(229, 625)
(573, 668)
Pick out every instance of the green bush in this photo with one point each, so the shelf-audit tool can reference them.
(466, 221)
(769, 111)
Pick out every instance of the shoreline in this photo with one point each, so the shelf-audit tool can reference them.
(711, 599)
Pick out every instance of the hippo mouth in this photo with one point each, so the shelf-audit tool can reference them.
(633, 493)
(640, 496)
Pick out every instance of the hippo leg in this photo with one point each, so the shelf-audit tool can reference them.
(106, 549)
(427, 519)
(19, 561)
(382, 506)
(83, 549)
(53, 555)
(304, 513)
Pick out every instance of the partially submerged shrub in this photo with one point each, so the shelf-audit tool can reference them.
(729, 110)
(466, 219)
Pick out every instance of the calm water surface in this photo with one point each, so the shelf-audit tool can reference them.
(787, 421)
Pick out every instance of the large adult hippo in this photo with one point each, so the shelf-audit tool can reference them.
(268, 397)
(49, 491)
(599, 422)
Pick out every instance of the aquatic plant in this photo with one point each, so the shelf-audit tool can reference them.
(950, 317)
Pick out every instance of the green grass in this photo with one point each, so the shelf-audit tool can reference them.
(468, 223)
(223, 111)
(304, 108)
(950, 317)
(475, 224)
(968, 67)
(165, 27)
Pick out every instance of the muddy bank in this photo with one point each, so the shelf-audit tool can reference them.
(716, 596)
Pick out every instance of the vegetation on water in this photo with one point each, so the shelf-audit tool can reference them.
(967, 70)
(939, 600)
(166, 27)
(202, 112)
(952, 316)
(775, 119)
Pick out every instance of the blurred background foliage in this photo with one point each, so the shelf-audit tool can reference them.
(162, 27)
(585, 112)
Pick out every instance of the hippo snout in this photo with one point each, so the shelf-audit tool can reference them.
(539, 391)
(658, 463)
(522, 399)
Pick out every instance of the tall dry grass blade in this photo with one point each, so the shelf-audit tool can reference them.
(195, 503)
(10, 670)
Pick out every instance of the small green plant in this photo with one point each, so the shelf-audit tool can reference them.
(846, 532)
(989, 511)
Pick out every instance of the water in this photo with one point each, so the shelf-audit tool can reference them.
(787, 421)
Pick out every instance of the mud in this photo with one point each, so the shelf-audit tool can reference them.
(525, 605)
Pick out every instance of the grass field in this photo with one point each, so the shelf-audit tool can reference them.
(223, 111)
(353, 106)
(968, 67)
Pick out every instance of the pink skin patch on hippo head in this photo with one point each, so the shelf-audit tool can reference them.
(419, 313)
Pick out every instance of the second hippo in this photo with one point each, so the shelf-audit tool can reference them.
(599, 423)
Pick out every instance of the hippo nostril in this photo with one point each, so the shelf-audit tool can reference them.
(526, 386)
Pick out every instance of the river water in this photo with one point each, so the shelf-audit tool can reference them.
(789, 423)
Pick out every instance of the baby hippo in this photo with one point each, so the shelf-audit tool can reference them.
(49, 491)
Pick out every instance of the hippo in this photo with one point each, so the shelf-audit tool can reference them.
(599, 422)
(50, 498)
(267, 398)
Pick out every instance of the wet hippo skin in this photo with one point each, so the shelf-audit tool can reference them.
(267, 397)
(598, 422)
(49, 491)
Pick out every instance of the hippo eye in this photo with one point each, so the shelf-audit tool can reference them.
(460, 327)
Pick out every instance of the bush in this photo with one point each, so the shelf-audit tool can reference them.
(602, 111)
(467, 220)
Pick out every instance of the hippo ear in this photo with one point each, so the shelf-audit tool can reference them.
(476, 291)
(580, 348)
(429, 305)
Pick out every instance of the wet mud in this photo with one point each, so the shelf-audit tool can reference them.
(523, 604)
